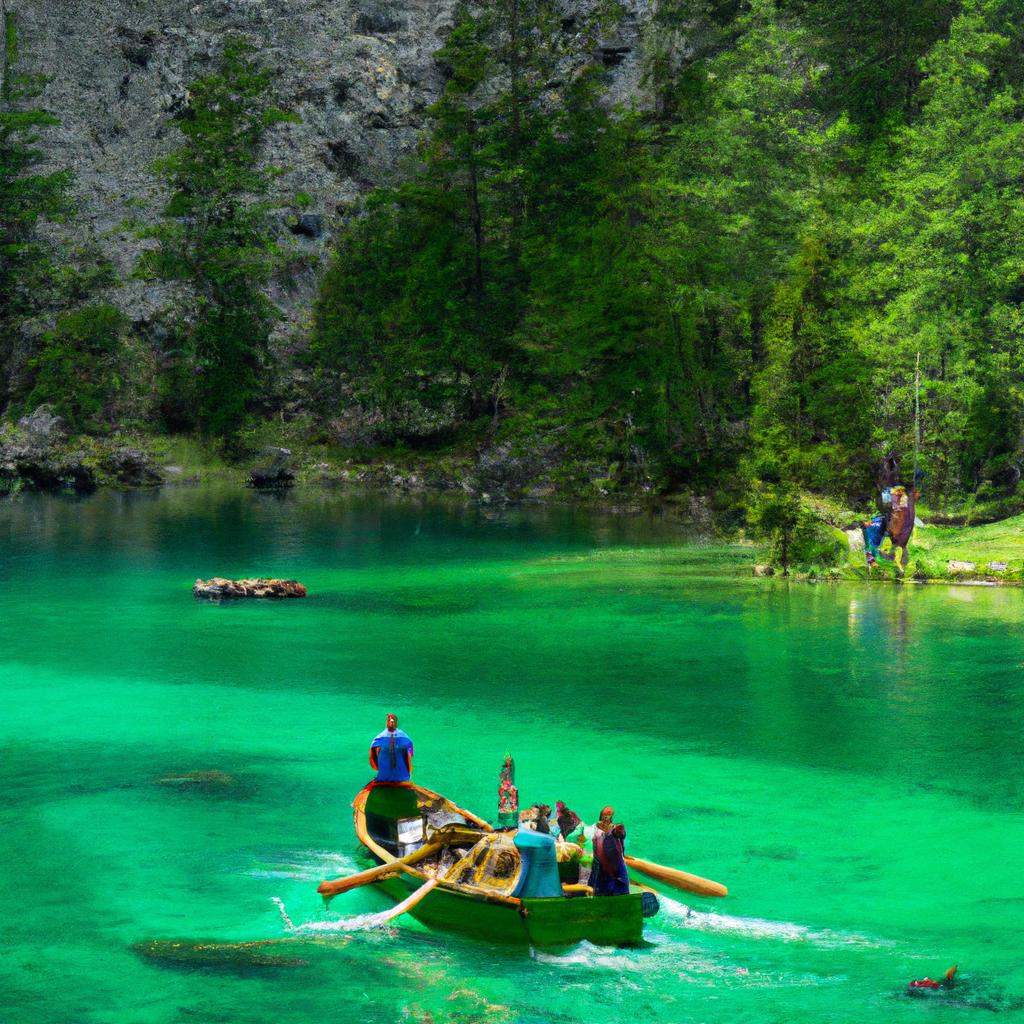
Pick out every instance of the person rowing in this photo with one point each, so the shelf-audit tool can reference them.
(391, 753)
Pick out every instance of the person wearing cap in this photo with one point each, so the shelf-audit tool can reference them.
(608, 874)
(391, 753)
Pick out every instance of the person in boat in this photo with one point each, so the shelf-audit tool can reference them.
(542, 822)
(528, 819)
(608, 874)
(570, 825)
(391, 753)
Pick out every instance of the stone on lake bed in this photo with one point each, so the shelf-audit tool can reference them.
(223, 955)
(998, 566)
(211, 784)
(955, 566)
(214, 779)
(219, 588)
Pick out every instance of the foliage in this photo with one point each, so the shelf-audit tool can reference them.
(27, 197)
(809, 223)
(431, 284)
(216, 237)
(80, 367)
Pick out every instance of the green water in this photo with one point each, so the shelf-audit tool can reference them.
(847, 759)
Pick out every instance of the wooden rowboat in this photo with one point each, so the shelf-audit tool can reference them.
(478, 873)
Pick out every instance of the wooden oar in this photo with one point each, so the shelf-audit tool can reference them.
(445, 836)
(678, 879)
(408, 903)
(340, 885)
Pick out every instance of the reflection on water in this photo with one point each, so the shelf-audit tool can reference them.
(846, 758)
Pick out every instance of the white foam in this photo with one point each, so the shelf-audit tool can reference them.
(305, 866)
(679, 914)
(358, 923)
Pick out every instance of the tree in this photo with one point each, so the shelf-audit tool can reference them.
(938, 266)
(27, 197)
(737, 182)
(80, 368)
(216, 238)
(431, 281)
(813, 399)
(870, 52)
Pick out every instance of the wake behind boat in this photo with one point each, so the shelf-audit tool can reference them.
(499, 885)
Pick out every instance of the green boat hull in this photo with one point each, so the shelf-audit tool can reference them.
(379, 810)
(604, 921)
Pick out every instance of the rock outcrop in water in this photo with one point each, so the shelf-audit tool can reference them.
(36, 454)
(275, 473)
(219, 588)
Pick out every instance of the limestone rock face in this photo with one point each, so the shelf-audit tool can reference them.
(34, 454)
(359, 73)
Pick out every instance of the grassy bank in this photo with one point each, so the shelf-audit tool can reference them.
(990, 553)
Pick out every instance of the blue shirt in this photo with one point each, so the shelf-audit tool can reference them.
(386, 771)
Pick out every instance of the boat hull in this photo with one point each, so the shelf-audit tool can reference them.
(555, 921)
(604, 921)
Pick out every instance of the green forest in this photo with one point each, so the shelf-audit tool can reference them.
(803, 250)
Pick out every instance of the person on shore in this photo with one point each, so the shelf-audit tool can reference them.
(391, 753)
(608, 875)
(874, 531)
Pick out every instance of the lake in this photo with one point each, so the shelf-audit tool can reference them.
(846, 758)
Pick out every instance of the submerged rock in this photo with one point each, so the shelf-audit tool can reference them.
(222, 955)
(208, 783)
(214, 779)
(219, 588)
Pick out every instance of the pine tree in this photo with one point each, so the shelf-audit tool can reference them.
(27, 197)
(217, 239)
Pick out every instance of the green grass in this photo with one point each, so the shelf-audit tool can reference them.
(934, 548)
(199, 461)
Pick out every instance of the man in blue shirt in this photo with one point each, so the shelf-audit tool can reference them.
(391, 753)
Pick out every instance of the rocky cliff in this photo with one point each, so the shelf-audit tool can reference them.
(359, 73)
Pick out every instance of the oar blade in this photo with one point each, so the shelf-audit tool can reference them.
(337, 886)
(678, 879)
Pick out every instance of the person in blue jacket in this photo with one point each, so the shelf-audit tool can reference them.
(391, 753)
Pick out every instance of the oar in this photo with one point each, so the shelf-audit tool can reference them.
(408, 903)
(677, 878)
(340, 885)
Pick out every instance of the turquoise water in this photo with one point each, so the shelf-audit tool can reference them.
(847, 759)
